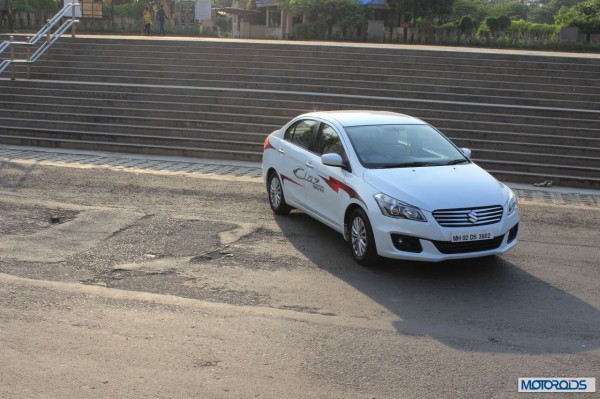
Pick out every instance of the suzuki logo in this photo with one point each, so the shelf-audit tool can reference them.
(473, 217)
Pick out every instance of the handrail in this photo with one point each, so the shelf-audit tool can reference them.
(67, 11)
(53, 38)
(69, 7)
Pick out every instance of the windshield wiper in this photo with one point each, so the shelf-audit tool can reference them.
(409, 165)
(456, 162)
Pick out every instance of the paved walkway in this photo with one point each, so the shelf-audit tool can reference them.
(324, 43)
(14, 155)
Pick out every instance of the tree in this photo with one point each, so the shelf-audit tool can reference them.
(584, 15)
(346, 13)
(476, 9)
(515, 9)
(430, 10)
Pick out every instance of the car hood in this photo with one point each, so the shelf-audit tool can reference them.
(439, 187)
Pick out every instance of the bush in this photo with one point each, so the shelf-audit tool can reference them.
(524, 26)
(466, 24)
(132, 10)
(491, 23)
(449, 25)
(51, 6)
(504, 22)
(310, 31)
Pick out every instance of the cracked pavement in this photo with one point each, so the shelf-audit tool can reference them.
(119, 282)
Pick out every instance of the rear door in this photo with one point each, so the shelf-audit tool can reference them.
(298, 137)
(327, 195)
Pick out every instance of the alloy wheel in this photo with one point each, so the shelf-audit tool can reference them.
(359, 237)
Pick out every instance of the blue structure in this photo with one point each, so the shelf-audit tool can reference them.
(372, 2)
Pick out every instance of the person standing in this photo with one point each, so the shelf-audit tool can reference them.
(5, 11)
(161, 15)
(147, 20)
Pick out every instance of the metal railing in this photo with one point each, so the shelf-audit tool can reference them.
(68, 11)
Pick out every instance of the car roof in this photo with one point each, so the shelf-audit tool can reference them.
(363, 118)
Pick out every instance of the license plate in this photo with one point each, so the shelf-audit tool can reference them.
(472, 235)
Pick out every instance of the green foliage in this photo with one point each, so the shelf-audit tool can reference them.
(525, 26)
(466, 24)
(223, 22)
(132, 10)
(484, 27)
(584, 15)
(491, 23)
(310, 31)
(50, 6)
(515, 9)
(476, 9)
(448, 25)
(504, 22)
(345, 13)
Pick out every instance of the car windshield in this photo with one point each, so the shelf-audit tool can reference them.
(398, 146)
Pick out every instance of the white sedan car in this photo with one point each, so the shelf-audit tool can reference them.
(391, 184)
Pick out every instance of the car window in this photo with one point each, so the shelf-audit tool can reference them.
(300, 133)
(328, 142)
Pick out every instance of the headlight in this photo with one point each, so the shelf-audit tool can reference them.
(397, 209)
(511, 204)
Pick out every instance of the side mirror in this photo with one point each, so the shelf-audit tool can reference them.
(467, 152)
(332, 159)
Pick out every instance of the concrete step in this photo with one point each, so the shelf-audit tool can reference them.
(347, 53)
(299, 102)
(237, 120)
(406, 72)
(531, 152)
(139, 129)
(523, 172)
(126, 139)
(434, 93)
(190, 119)
(303, 101)
(352, 83)
(534, 128)
(516, 138)
(132, 148)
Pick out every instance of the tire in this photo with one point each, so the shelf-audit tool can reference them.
(276, 197)
(362, 242)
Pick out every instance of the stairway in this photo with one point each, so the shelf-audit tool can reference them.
(527, 117)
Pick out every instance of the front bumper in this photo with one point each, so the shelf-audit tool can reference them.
(428, 241)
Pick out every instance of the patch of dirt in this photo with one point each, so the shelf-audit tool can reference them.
(28, 219)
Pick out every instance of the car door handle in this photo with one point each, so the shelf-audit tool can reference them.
(281, 151)
(310, 165)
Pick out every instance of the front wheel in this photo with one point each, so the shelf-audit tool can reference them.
(276, 197)
(362, 242)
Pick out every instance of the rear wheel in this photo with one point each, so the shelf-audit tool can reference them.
(276, 197)
(362, 242)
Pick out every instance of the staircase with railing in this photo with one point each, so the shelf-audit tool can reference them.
(528, 117)
(68, 12)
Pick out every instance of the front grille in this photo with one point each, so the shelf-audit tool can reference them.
(468, 217)
(449, 247)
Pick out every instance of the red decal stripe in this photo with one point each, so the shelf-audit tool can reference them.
(284, 178)
(337, 185)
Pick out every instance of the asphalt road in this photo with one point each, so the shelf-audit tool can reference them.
(120, 283)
